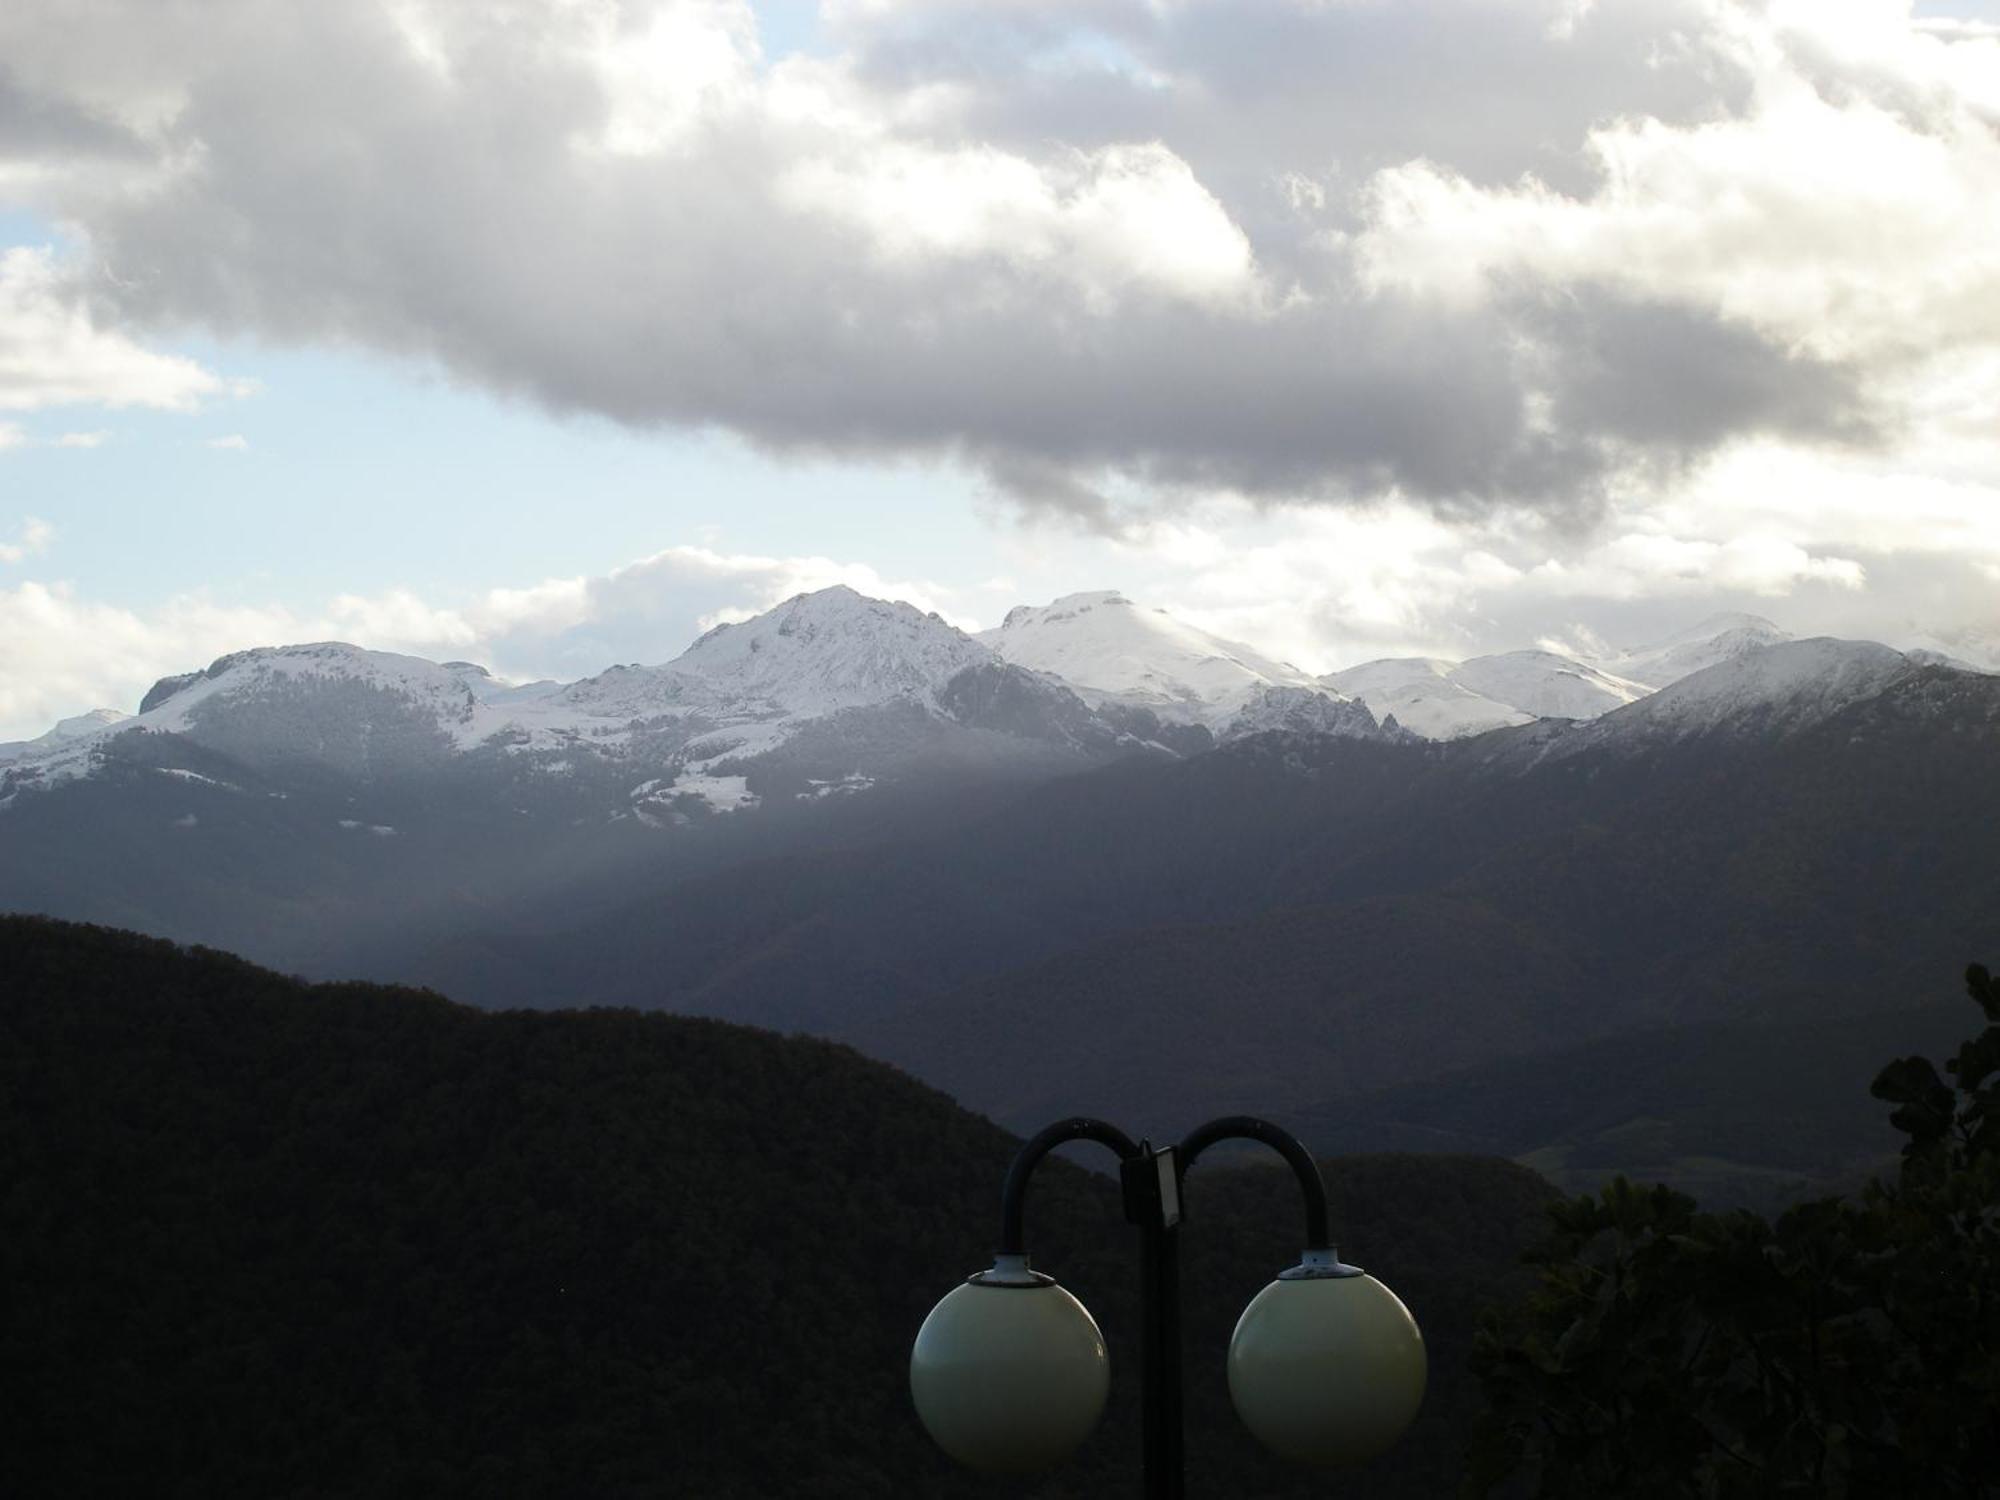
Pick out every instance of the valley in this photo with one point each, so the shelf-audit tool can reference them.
(1184, 880)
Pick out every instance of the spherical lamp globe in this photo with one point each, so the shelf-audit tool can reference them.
(1009, 1372)
(1327, 1367)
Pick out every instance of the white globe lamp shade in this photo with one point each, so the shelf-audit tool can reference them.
(1009, 1372)
(1327, 1366)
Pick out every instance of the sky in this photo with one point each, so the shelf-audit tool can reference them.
(549, 333)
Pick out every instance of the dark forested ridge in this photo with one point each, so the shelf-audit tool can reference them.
(271, 1239)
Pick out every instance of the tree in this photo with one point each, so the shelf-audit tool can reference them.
(1851, 1348)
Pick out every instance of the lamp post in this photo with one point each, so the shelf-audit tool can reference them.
(1009, 1371)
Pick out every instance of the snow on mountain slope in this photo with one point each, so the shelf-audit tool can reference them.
(1544, 685)
(1930, 657)
(246, 679)
(690, 726)
(85, 723)
(1447, 700)
(1717, 639)
(487, 688)
(746, 689)
(327, 703)
(1105, 646)
(818, 653)
(66, 732)
(1425, 699)
(1774, 690)
(619, 696)
(1443, 700)
(833, 688)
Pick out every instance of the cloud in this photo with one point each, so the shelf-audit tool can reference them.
(1954, 29)
(35, 536)
(1319, 253)
(1851, 548)
(39, 127)
(1489, 308)
(1652, 565)
(1123, 217)
(82, 439)
(1839, 226)
(60, 654)
(54, 351)
(234, 442)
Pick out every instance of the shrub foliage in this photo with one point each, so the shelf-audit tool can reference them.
(1850, 1348)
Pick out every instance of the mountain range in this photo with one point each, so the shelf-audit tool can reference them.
(1087, 676)
(1098, 859)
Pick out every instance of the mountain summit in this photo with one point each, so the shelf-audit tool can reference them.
(1717, 639)
(78, 727)
(819, 652)
(1106, 647)
(1444, 700)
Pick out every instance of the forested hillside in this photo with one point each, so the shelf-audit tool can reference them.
(273, 1239)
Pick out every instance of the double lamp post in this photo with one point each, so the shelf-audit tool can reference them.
(1009, 1372)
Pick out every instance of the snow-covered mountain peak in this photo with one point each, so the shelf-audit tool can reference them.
(1718, 638)
(819, 652)
(66, 732)
(1777, 688)
(1068, 607)
(1106, 647)
(491, 690)
(619, 693)
(1443, 700)
(86, 723)
(371, 713)
(1546, 685)
(267, 669)
(1424, 697)
(1709, 628)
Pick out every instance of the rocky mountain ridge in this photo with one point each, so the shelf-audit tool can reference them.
(831, 692)
(826, 690)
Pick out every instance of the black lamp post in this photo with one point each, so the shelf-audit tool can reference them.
(1009, 1371)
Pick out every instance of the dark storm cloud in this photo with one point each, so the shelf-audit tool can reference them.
(38, 128)
(335, 185)
(1669, 379)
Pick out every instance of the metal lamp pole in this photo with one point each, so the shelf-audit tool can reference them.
(1326, 1365)
(1151, 1182)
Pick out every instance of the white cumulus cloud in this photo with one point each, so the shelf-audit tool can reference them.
(34, 536)
(56, 351)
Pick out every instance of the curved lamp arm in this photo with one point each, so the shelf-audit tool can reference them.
(1326, 1364)
(1076, 1128)
(1250, 1128)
